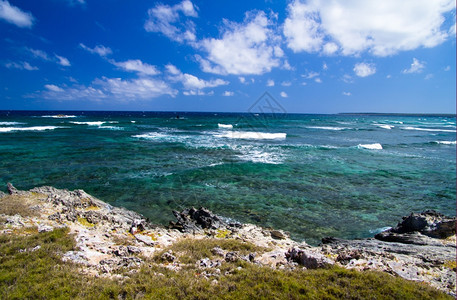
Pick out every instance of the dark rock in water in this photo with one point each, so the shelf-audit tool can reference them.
(415, 228)
(194, 220)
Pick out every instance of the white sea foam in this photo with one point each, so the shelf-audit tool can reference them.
(111, 127)
(375, 146)
(446, 142)
(326, 127)
(151, 136)
(60, 116)
(96, 123)
(10, 123)
(252, 135)
(385, 126)
(33, 128)
(379, 230)
(226, 126)
(428, 129)
(133, 122)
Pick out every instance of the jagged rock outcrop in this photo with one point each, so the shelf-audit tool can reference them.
(422, 247)
(415, 228)
(194, 220)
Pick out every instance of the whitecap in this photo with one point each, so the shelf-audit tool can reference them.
(60, 116)
(251, 135)
(327, 127)
(111, 127)
(226, 126)
(385, 126)
(151, 136)
(10, 123)
(96, 123)
(133, 122)
(446, 142)
(428, 129)
(375, 146)
(33, 128)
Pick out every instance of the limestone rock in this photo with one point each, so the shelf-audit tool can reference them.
(308, 259)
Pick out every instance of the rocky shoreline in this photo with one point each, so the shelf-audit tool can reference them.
(422, 247)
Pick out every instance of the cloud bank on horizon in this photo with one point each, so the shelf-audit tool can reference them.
(316, 55)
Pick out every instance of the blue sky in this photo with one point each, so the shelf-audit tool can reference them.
(312, 56)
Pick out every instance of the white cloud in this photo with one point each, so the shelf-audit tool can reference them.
(379, 27)
(364, 69)
(347, 93)
(99, 49)
(286, 83)
(347, 78)
(416, 67)
(15, 15)
(192, 82)
(330, 48)
(324, 66)
(39, 54)
(136, 65)
(166, 20)
(302, 28)
(310, 75)
(110, 89)
(23, 65)
(318, 80)
(283, 94)
(270, 82)
(62, 61)
(247, 48)
(228, 94)
(53, 88)
(428, 76)
(242, 79)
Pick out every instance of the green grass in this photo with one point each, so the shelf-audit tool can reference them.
(41, 274)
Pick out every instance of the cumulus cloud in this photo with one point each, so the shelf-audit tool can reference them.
(364, 69)
(166, 19)
(23, 65)
(53, 88)
(15, 15)
(318, 80)
(283, 94)
(379, 27)
(62, 61)
(99, 49)
(110, 89)
(347, 93)
(286, 83)
(228, 94)
(136, 65)
(270, 82)
(190, 81)
(416, 67)
(250, 47)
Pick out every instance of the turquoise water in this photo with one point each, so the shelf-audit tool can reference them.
(311, 175)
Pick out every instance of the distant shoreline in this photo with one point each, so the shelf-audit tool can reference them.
(400, 114)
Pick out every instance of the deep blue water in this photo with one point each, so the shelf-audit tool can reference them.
(311, 175)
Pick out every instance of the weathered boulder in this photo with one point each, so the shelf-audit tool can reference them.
(308, 259)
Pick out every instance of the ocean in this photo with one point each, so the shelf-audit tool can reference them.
(347, 176)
